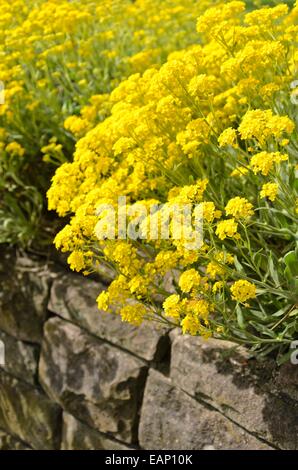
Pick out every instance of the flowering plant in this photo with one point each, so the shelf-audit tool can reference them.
(59, 61)
(216, 125)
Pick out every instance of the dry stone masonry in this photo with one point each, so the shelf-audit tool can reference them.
(77, 378)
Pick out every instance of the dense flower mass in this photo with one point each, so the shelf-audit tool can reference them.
(215, 124)
(172, 127)
(60, 59)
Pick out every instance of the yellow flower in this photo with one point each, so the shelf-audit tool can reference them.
(216, 266)
(217, 286)
(240, 171)
(239, 207)
(202, 85)
(137, 285)
(243, 290)
(265, 16)
(214, 269)
(196, 319)
(76, 125)
(228, 137)
(172, 306)
(191, 324)
(189, 280)
(190, 194)
(199, 307)
(15, 149)
(210, 212)
(269, 190)
(262, 124)
(133, 314)
(103, 301)
(76, 261)
(227, 228)
(263, 162)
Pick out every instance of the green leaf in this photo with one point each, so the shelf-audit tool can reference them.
(283, 358)
(273, 272)
(238, 265)
(291, 261)
(280, 312)
(294, 312)
(259, 315)
(263, 329)
(240, 318)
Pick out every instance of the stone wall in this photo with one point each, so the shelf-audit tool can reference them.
(76, 378)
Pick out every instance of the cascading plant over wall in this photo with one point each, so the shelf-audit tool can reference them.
(216, 125)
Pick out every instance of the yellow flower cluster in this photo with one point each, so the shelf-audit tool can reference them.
(269, 190)
(189, 280)
(263, 162)
(239, 207)
(193, 314)
(243, 290)
(183, 134)
(227, 228)
(262, 125)
(60, 60)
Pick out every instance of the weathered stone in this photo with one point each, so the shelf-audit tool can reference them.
(285, 381)
(23, 297)
(74, 298)
(8, 442)
(226, 379)
(28, 414)
(171, 420)
(94, 381)
(79, 436)
(20, 358)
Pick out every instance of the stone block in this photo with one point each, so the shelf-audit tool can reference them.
(96, 382)
(79, 436)
(224, 377)
(8, 442)
(20, 358)
(27, 413)
(23, 297)
(73, 297)
(171, 420)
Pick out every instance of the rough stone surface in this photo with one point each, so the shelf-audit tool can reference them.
(28, 414)
(74, 298)
(171, 420)
(285, 381)
(23, 298)
(86, 389)
(236, 386)
(20, 358)
(79, 436)
(8, 442)
(94, 381)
